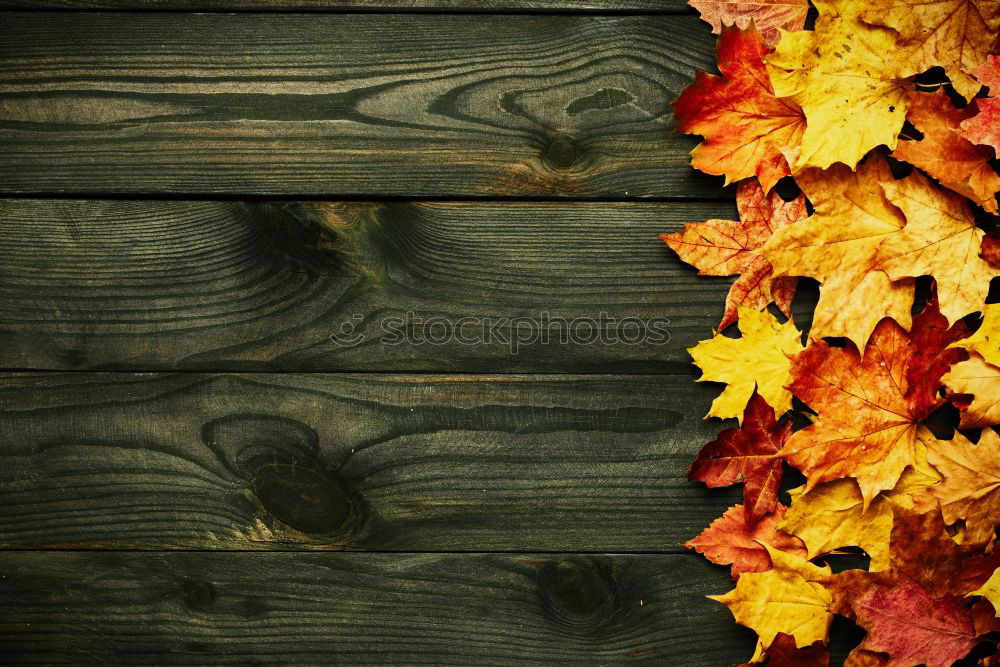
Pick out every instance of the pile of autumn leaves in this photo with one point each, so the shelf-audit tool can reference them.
(888, 203)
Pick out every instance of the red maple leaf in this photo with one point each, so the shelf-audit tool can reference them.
(984, 128)
(783, 652)
(748, 454)
(912, 627)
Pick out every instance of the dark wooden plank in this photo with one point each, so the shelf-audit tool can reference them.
(236, 286)
(128, 608)
(383, 462)
(355, 5)
(463, 105)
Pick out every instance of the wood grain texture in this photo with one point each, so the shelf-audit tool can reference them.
(235, 286)
(160, 608)
(326, 105)
(355, 5)
(375, 462)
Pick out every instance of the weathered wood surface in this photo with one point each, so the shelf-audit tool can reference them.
(235, 286)
(377, 462)
(602, 6)
(463, 105)
(209, 517)
(159, 608)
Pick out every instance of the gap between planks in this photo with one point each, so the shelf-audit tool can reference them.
(726, 195)
(401, 11)
(152, 551)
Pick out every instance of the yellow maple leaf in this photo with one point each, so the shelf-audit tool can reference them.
(832, 515)
(991, 590)
(839, 75)
(837, 246)
(982, 381)
(970, 486)
(954, 34)
(789, 598)
(986, 340)
(760, 358)
(940, 239)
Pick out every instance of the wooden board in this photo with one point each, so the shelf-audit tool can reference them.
(159, 608)
(602, 6)
(242, 286)
(328, 105)
(376, 462)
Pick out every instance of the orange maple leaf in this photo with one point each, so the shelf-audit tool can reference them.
(729, 541)
(990, 249)
(837, 246)
(870, 406)
(725, 248)
(945, 154)
(768, 16)
(940, 565)
(745, 126)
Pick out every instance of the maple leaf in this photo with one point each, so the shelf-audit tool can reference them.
(954, 34)
(943, 153)
(784, 653)
(990, 249)
(984, 127)
(940, 565)
(986, 620)
(725, 248)
(929, 579)
(986, 340)
(730, 541)
(913, 613)
(870, 406)
(788, 598)
(860, 657)
(837, 75)
(769, 17)
(837, 246)
(749, 455)
(940, 239)
(991, 591)
(745, 126)
(980, 380)
(760, 359)
(905, 622)
(832, 515)
(970, 488)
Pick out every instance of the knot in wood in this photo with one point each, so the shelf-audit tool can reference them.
(579, 594)
(561, 152)
(198, 594)
(302, 498)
